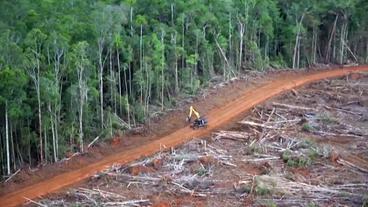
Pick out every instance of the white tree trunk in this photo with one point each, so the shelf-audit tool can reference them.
(230, 40)
(119, 79)
(45, 143)
(131, 21)
(297, 42)
(314, 46)
(7, 139)
(343, 37)
(183, 43)
(366, 58)
(162, 70)
(141, 61)
(222, 52)
(83, 90)
(173, 37)
(81, 124)
(241, 37)
(101, 70)
(328, 52)
(112, 84)
(53, 133)
(39, 116)
(57, 136)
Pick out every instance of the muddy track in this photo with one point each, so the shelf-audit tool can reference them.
(217, 118)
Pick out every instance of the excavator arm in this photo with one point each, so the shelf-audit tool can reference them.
(193, 111)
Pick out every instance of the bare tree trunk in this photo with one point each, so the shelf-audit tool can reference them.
(53, 133)
(314, 46)
(7, 139)
(328, 52)
(183, 43)
(101, 64)
(39, 115)
(222, 52)
(83, 90)
(12, 149)
(241, 37)
(162, 70)
(230, 40)
(119, 80)
(112, 82)
(343, 37)
(81, 125)
(173, 38)
(172, 14)
(53, 140)
(146, 90)
(298, 55)
(57, 135)
(197, 55)
(45, 141)
(131, 21)
(83, 94)
(366, 48)
(141, 61)
(266, 47)
(297, 42)
(127, 94)
(57, 59)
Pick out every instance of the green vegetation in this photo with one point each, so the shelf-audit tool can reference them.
(73, 70)
(254, 149)
(307, 127)
(264, 186)
(327, 119)
(295, 161)
(312, 204)
(310, 153)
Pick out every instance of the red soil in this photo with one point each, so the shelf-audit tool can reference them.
(218, 117)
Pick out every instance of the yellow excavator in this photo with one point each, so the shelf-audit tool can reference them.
(199, 121)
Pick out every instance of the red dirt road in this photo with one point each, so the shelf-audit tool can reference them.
(217, 118)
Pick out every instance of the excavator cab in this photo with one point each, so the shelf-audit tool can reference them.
(199, 121)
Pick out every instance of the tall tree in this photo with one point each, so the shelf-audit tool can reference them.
(35, 41)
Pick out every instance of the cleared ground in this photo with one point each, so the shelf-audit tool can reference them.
(305, 148)
(218, 117)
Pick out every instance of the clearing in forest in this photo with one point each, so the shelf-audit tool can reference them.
(306, 148)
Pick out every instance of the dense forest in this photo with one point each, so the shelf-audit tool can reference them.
(72, 70)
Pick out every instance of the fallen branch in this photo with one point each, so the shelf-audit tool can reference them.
(342, 110)
(349, 164)
(128, 203)
(261, 159)
(68, 158)
(12, 176)
(90, 144)
(34, 202)
(293, 107)
(186, 190)
(233, 135)
(257, 124)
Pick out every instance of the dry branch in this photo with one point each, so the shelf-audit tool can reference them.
(257, 124)
(342, 110)
(349, 164)
(233, 135)
(293, 107)
(34, 202)
(90, 144)
(128, 203)
(12, 176)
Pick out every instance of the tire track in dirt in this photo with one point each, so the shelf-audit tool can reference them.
(217, 118)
